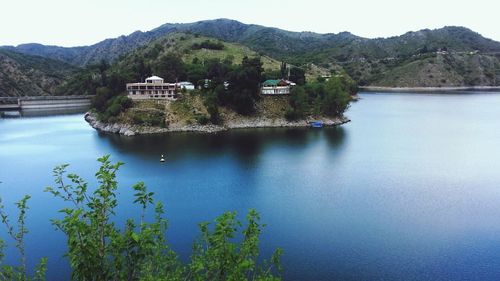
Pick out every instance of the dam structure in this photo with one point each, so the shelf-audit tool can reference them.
(44, 102)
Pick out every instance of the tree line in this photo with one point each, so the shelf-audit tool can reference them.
(322, 97)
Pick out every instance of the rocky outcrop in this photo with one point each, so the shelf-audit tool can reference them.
(249, 122)
(123, 129)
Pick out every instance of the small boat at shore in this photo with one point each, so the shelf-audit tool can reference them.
(317, 124)
(162, 159)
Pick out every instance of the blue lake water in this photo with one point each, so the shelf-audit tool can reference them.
(409, 190)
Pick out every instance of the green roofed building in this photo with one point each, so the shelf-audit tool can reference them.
(276, 87)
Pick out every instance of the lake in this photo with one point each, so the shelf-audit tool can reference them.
(409, 190)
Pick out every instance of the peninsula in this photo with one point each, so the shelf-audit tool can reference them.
(185, 82)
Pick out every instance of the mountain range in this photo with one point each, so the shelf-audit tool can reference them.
(449, 56)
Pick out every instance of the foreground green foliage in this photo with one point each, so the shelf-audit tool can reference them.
(100, 250)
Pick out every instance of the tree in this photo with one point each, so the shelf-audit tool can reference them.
(211, 103)
(103, 67)
(195, 72)
(329, 98)
(336, 99)
(116, 82)
(283, 70)
(141, 69)
(100, 100)
(244, 83)
(170, 67)
(297, 75)
(299, 102)
(208, 44)
(216, 71)
(271, 74)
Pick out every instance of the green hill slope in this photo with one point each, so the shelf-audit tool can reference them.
(154, 58)
(437, 69)
(182, 45)
(25, 75)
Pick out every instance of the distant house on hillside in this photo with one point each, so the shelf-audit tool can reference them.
(276, 87)
(155, 88)
(326, 76)
(186, 85)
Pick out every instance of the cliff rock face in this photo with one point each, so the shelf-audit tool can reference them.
(116, 128)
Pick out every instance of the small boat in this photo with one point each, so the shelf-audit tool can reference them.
(162, 159)
(317, 124)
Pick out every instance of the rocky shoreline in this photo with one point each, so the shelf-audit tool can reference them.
(243, 123)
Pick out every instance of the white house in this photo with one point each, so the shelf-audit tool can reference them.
(185, 85)
(155, 88)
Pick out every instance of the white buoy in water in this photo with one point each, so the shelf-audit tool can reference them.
(162, 159)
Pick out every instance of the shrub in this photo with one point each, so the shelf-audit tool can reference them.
(114, 107)
(149, 117)
(97, 249)
(291, 114)
(202, 119)
(208, 44)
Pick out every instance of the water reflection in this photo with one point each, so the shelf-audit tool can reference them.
(336, 136)
(245, 145)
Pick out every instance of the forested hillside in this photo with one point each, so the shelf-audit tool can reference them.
(449, 56)
(25, 75)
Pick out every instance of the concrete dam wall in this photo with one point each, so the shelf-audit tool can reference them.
(45, 102)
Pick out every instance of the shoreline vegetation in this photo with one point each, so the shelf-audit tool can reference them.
(247, 122)
(427, 89)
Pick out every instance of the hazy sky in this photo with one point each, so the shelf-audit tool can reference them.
(79, 22)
